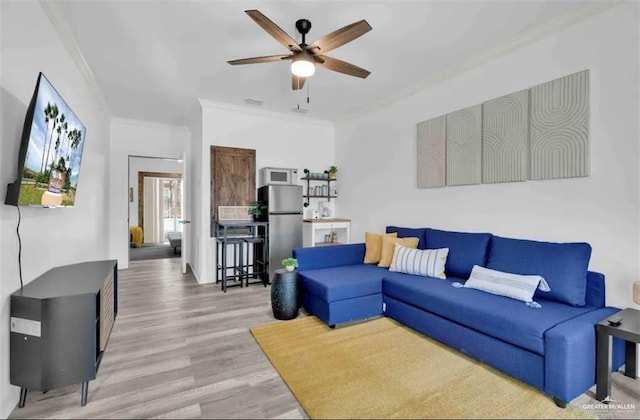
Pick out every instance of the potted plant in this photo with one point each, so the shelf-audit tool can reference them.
(290, 263)
(333, 171)
(255, 209)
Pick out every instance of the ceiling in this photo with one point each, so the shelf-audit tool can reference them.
(151, 60)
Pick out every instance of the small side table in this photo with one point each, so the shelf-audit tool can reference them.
(284, 294)
(629, 331)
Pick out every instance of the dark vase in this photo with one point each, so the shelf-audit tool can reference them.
(284, 294)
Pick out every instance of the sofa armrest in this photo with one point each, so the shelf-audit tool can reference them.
(595, 289)
(570, 355)
(329, 256)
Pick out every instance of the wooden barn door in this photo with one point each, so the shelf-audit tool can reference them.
(233, 177)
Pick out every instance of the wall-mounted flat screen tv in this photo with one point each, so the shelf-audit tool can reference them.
(50, 152)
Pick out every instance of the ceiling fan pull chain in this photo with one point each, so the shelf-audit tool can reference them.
(308, 83)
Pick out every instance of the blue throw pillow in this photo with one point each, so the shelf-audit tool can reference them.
(563, 265)
(404, 232)
(465, 250)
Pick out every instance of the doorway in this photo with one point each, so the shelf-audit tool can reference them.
(156, 208)
(159, 206)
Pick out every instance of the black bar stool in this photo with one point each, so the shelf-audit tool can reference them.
(221, 263)
(255, 245)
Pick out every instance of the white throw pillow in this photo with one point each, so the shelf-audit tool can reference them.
(515, 286)
(423, 262)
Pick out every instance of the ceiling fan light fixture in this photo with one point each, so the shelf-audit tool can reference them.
(304, 57)
(302, 65)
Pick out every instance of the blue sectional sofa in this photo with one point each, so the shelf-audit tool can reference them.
(551, 348)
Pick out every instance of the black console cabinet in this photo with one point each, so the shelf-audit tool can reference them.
(60, 324)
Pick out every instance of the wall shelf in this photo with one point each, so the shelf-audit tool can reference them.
(320, 196)
(309, 178)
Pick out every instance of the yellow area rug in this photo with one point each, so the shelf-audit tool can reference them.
(381, 369)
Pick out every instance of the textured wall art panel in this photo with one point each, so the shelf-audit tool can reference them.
(464, 147)
(504, 138)
(559, 136)
(431, 152)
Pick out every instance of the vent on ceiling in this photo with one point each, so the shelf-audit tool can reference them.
(255, 102)
(299, 110)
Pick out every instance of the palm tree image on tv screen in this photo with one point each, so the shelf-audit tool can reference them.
(52, 162)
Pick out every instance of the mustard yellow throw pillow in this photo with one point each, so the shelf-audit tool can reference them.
(388, 245)
(373, 245)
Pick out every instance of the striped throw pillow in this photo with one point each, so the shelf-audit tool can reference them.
(423, 262)
(514, 286)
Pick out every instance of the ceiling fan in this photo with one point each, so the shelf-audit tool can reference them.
(305, 57)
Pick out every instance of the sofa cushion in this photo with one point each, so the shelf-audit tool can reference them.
(338, 283)
(563, 265)
(421, 262)
(404, 232)
(465, 249)
(388, 246)
(316, 257)
(500, 317)
(373, 245)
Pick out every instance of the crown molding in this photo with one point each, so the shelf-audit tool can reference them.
(62, 27)
(149, 124)
(207, 103)
(556, 25)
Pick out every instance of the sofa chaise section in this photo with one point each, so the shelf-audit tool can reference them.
(345, 289)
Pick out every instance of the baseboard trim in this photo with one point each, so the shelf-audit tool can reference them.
(10, 403)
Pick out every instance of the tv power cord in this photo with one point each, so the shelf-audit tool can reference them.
(19, 248)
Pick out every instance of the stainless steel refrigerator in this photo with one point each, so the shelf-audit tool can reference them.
(284, 214)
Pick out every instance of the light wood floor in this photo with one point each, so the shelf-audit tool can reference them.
(178, 350)
(183, 350)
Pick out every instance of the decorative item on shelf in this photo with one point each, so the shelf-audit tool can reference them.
(290, 264)
(256, 209)
(636, 292)
(333, 172)
(334, 236)
(234, 213)
(325, 209)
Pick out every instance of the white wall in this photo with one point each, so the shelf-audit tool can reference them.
(135, 138)
(50, 237)
(137, 164)
(377, 154)
(279, 140)
(194, 186)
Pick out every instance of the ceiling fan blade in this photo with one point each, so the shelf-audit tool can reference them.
(297, 82)
(274, 30)
(343, 67)
(263, 59)
(340, 37)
